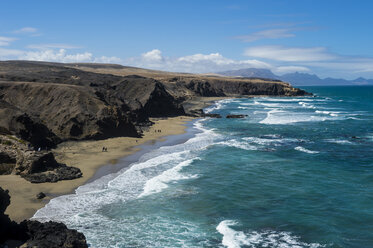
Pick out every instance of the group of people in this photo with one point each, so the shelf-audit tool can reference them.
(104, 149)
(158, 131)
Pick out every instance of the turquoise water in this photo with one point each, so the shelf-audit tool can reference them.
(297, 172)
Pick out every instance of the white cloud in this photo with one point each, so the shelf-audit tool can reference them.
(198, 63)
(52, 46)
(290, 54)
(5, 41)
(267, 34)
(25, 30)
(153, 55)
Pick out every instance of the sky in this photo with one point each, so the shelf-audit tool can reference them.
(329, 38)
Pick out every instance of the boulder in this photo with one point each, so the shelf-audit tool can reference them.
(41, 195)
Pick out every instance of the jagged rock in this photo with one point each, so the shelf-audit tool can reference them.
(52, 234)
(35, 234)
(41, 195)
(235, 116)
(34, 162)
(61, 173)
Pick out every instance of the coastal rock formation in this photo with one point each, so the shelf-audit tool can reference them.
(201, 113)
(52, 234)
(34, 233)
(35, 166)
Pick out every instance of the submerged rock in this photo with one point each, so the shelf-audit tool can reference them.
(235, 116)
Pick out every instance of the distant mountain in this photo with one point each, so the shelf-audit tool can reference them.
(296, 78)
(250, 73)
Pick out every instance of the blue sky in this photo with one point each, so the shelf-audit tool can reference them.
(329, 38)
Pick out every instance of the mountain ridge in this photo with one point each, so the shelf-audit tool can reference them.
(296, 78)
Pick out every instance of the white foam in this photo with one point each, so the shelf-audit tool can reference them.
(267, 104)
(322, 112)
(158, 183)
(280, 117)
(236, 239)
(302, 149)
(339, 141)
(274, 140)
(231, 238)
(237, 144)
(218, 105)
(294, 100)
(306, 105)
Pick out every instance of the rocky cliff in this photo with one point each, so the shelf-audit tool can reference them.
(46, 103)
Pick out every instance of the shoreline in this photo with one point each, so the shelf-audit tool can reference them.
(88, 156)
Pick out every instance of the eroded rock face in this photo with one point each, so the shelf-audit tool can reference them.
(34, 166)
(36, 234)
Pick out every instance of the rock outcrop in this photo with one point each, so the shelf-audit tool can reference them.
(35, 166)
(201, 113)
(34, 233)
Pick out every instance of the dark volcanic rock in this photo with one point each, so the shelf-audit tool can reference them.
(8, 229)
(212, 115)
(41, 195)
(34, 166)
(61, 173)
(235, 116)
(201, 113)
(36, 234)
(52, 234)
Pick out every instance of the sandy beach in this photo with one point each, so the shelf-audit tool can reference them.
(86, 155)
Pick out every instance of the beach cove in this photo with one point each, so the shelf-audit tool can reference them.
(88, 156)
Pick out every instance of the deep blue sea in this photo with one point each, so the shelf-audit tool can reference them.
(296, 172)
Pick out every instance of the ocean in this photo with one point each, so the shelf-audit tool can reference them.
(296, 172)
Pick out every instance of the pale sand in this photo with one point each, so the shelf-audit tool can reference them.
(86, 155)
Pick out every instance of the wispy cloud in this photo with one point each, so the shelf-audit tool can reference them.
(60, 55)
(52, 46)
(5, 41)
(290, 54)
(25, 30)
(267, 34)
